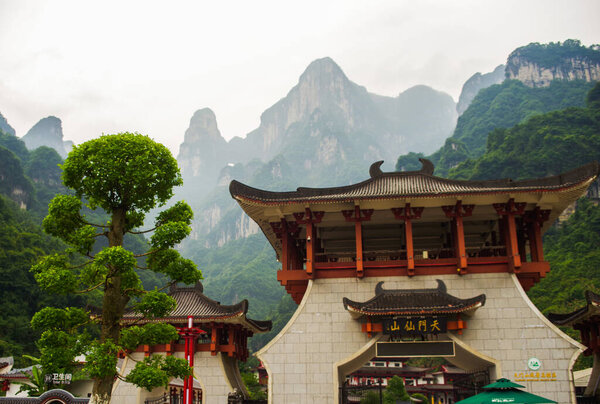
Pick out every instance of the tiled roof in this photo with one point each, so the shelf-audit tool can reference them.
(406, 302)
(592, 308)
(413, 184)
(50, 396)
(192, 302)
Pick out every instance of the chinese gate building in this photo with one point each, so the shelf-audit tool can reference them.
(213, 338)
(478, 241)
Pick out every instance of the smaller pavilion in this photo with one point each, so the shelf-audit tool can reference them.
(587, 320)
(213, 338)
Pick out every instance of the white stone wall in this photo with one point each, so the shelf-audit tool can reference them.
(303, 360)
(208, 370)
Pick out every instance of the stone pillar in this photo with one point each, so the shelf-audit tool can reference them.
(307, 360)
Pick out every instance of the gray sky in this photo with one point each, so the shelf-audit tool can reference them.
(146, 66)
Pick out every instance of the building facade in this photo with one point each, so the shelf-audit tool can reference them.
(411, 230)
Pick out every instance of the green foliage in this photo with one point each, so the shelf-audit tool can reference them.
(15, 145)
(126, 175)
(544, 145)
(124, 171)
(557, 54)
(155, 304)
(246, 269)
(395, 391)
(101, 359)
(13, 182)
(419, 396)
(409, 162)
(156, 371)
(148, 334)
(496, 108)
(36, 386)
(254, 389)
(371, 397)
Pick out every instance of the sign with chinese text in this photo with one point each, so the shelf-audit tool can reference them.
(535, 376)
(415, 325)
(58, 378)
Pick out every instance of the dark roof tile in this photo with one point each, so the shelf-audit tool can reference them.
(407, 302)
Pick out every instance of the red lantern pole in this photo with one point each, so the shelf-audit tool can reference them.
(189, 334)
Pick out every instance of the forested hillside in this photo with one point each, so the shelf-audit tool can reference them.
(543, 145)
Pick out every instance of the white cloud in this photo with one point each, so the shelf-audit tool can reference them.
(147, 66)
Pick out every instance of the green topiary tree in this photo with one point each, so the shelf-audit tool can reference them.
(395, 391)
(126, 175)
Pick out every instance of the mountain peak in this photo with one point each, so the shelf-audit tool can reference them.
(324, 67)
(47, 132)
(203, 125)
(5, 127)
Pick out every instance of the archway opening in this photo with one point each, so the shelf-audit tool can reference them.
(444, 379)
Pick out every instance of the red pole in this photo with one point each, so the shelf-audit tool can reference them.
(190, 392)
(186, 381)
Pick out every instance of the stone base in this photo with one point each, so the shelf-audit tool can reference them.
(218, 375)
(309, 359)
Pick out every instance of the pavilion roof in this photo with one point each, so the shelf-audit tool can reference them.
(192, 302)
(420, 188)
(585, 313)
(421, 184)
(413, 302)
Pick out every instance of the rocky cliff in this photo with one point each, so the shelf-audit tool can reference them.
(326, 131)
(47, 132)
(478, 82)
(536, 65)
(5, 127)
(203, 152)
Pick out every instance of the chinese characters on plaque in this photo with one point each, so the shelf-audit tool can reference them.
(414, 326)
(58, 378)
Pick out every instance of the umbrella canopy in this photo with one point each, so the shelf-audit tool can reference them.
(503, 384)
(503, 391)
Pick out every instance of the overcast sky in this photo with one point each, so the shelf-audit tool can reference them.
(146, 66)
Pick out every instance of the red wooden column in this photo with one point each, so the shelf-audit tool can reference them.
(214, 338)
(535, 220)
(309, 218)
(457, 212)
(508, 211)
(189, 334)
(358, 216)
(407, 214)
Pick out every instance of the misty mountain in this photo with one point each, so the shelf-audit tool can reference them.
(5, 127)
(326, 120)
(476, 83)
(48, 132)
(326, 131)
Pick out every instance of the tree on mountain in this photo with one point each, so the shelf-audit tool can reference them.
(126, 175)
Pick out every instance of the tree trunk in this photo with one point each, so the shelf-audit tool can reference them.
(113, 306)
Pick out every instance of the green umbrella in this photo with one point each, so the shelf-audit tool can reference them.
(503, 384)
(503, 391)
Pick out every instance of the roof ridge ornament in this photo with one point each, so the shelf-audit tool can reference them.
(427, 168)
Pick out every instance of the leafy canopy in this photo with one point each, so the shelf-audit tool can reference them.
(126, 175)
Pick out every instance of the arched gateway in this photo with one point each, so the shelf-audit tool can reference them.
(481, 241)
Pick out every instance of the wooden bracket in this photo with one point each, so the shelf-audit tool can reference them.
(308, 216)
